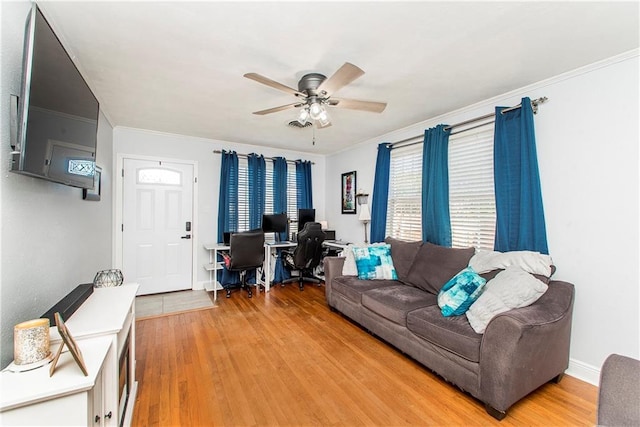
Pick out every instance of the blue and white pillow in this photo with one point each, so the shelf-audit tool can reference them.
(457, 295)
(374, 262)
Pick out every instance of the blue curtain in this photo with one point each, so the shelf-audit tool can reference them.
(280, 206)
(436, 223)
(228, 198)
(304, 191)
(280, 188)
(520, 221)
(380, 194)
(228, 208)
(257, 175)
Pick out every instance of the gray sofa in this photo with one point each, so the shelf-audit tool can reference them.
(519, 351)
(619, 392)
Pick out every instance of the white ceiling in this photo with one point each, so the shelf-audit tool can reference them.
(178, 67)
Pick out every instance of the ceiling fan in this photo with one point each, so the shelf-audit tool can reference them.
(315, 91)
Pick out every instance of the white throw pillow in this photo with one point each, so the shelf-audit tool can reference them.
(511, 288)
(349, 267)
(532, 262)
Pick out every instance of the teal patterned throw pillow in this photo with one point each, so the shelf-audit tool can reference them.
(457, 295)
(374, 262)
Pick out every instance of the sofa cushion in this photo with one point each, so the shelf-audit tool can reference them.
(451, 333)
(374, 262)
(434, 265)
(352, 288)
(511, 288)
(457, 295)
(403, 254)
(394, 302)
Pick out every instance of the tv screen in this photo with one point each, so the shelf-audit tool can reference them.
(57, 112)
(276, 223)
(305, 216)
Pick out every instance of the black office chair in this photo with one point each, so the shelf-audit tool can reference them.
(246, 252)
(307, 254)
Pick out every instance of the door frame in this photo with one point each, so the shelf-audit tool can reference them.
(118, 205)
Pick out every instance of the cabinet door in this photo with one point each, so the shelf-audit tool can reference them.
(96, 407)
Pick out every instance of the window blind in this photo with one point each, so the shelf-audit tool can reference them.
(472, 206)
(405, 194)
(244, 193)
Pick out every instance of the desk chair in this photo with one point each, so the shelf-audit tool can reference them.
(307, 254)
(246, 252)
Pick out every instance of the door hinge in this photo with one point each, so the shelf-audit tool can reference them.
(195, 179)
(123, 172)
(122, 227)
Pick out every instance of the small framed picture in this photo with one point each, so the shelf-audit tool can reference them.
(67, 340)
(94, 194)
(349, 192)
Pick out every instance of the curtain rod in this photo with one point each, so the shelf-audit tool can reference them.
(266, 157)
(414, 139)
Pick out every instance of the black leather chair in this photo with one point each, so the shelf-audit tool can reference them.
(307, 254)
(246, 252)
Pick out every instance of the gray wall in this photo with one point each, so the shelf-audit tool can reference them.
(50, 239)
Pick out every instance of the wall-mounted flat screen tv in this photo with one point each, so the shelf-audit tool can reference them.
(57, 114)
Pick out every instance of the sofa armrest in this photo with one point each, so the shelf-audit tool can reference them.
(619, 392)
(524, 348)
(332, 268)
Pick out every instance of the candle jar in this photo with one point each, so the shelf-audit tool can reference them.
(31, 341)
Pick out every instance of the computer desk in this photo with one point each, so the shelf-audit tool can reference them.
(270, 252)
(214, 265)
(270, 249)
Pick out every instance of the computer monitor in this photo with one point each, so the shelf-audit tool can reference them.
(275, 223)
(305, 216)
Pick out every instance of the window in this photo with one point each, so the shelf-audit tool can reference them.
(471, 192)
(244, 192)
(404, 207)
(472, 205)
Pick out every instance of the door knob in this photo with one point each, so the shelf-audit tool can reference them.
(188, 236)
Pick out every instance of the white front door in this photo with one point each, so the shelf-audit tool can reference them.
(156, 235)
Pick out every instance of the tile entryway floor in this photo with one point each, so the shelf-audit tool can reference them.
(172, 302)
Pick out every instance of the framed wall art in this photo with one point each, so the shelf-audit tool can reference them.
(349, 192)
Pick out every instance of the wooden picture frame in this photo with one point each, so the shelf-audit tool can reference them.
(94, 195)
(67, 340)
(348, 201)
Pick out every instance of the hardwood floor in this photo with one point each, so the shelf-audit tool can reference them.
(284, 359)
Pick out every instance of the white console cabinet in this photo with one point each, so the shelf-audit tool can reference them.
(67, 398)
(104, 329)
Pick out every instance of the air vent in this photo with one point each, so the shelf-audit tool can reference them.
(296, 124)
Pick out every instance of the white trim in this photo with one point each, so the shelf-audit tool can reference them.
(584, 372)
(118, 194)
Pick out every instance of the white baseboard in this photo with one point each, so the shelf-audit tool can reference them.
(584, 372)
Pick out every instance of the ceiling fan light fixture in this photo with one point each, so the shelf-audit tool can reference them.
(304, 116)
(315, 109)
(323, 118)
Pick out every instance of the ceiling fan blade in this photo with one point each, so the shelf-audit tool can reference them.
(345, 75)
(354, 104)
(274, 84)
(276, 109)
